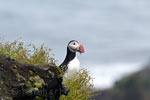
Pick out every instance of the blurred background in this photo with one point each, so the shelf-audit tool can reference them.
(115, 33)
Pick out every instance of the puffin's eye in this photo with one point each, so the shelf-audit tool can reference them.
(74, 43)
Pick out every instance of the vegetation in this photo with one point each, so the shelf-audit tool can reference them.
(27, 53)
(80, 84)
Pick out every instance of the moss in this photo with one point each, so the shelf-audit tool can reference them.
(0, 88)
(31, 72)
(35, 82)
(59, 70)
(32, 89)
(18, 75)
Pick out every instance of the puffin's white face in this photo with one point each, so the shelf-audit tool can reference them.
(75, 46)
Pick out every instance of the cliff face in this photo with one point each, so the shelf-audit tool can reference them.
(133, 87)
(26, 82)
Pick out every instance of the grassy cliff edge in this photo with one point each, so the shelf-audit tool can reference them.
(80, 85)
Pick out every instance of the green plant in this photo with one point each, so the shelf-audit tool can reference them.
(27, 53)
(80, 84)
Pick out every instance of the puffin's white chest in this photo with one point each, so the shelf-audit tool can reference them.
(74, 65)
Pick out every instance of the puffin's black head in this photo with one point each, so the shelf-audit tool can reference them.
(75, 46)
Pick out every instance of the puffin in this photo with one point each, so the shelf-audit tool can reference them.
(71, 64)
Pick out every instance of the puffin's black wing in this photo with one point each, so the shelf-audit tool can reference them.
(69, 57)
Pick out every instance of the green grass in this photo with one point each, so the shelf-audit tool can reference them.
(80, 85)
(28, 53)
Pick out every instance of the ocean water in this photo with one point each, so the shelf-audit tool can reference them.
(115, 33)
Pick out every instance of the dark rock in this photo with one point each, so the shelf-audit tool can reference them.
(28, 82)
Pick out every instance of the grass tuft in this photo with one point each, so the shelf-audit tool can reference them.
(80, 85)
(28, 53)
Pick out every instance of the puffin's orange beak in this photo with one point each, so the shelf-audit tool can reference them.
(81, 48)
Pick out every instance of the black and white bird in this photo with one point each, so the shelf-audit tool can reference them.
(71, 63)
